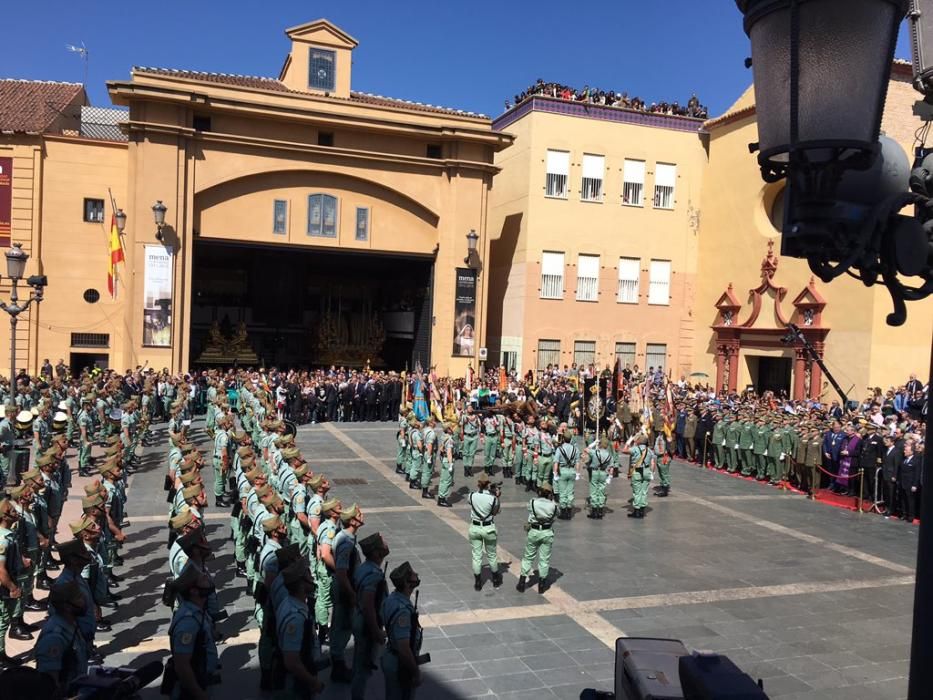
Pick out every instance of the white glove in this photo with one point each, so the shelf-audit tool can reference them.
(781, 458)
(578, 477)
(608, 480)
(765, 454)
(736, 445)
(724, 442)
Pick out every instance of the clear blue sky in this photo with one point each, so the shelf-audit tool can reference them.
(469, 56)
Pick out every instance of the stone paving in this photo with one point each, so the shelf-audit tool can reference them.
(814, 600)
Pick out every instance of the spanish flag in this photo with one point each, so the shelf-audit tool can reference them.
(116, 256)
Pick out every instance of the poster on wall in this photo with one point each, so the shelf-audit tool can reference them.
(6, 201)
(157, 295)
(465, 312)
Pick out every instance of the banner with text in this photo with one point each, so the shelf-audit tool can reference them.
(157, 310)
(465, 312)
(6, 201)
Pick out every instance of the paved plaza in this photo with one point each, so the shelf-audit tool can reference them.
(813, 599)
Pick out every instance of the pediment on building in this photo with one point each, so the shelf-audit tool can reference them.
(810, 297)
(323, 33)
(767, 296)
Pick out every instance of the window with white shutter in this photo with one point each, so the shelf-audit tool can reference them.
(552, 275)
(656, 356)
(659, 282)
(633, 183)
(625, 354)
(629, 276)
(584, 352)
(665, 175)
(588, 278)
(592, 185)
(548, 354)
(558, 168)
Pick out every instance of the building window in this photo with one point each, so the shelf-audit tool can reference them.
(201, 122)
(90, 340)
(664, 177)
(552, 275)
(588, 278)
(629, 276)
(656, 356)
(322, 215)
(362, 224)
(94, 210)
(592, 186)
(625, 354)
(280, 216)
(434, 150)
(325, 138)
(321, 73)
(659, 282)
(548, 354)
(633, 183)
(558, 168)
(584, 352)
(91, 296)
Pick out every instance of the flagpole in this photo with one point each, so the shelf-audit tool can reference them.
(113, 222)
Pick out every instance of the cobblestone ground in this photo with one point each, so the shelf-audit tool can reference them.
(812, 599)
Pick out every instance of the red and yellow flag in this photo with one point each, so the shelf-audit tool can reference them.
(116, 256)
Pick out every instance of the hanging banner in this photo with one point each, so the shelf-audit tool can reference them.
(465, 312)
(157, 295)
(6, 201)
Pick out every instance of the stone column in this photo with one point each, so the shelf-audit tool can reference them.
(816, 373)
(800, 372)
(733, 368)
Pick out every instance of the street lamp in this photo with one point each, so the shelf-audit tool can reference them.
(821, 77)
(472, 239)
(158, 214)
(120, 218)
(16, 259)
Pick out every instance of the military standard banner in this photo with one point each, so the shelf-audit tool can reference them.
(6, 201)
(157, 312)
(465, 312)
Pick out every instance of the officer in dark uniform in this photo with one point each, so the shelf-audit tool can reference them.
(403, 635)
(369, 583)
(295, 629)
(62, 651)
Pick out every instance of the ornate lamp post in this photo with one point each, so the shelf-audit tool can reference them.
(16, 259)
(821, 76)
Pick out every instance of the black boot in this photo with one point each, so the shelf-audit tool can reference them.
(322, 634)
(339, 673)
(19, 630)
(542, 585)
(407, 478)
(398, 468)
(33, 605)
(9, 662)
(641, 512)
(413, 484)
(241, 570)
(600, 512)
(634, 513)
(443, 502)
(477, 582)
(520, 587)
(496, 579)
(265, 679)
(592, 514)
(530, 485)
(424, 493)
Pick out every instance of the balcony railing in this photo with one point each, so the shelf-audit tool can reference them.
(552, 286)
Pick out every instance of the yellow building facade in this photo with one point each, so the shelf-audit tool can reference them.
(303, 223)
(593, 221)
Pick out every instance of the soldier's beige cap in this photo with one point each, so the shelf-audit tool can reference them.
(330, 505)
(183, 518)
(244, 451)
(270, 524)
(88, 502)
(32, 475)
(301, 470)
(189, 477)
(264, 490)
(350, 513)
(45, 460)
(191, 491)
(290, 453)
(315, 481)
(81, 525)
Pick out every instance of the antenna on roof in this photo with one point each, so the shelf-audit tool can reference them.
(83, 53)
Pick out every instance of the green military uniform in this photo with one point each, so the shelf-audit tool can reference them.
(11, 561)
(776, 454)
(469, 429)
(447, 468)
(323, 577)
(518, 442)
(221, 448)
(642, 459)
(530, 444)
(416, 450)
(401, 452)
(731, 446)
(430, 453)
(718, 438)
(746, 445)
(482, 534)
(567, 458)
(508, 446)
(491, 443)
(599, 461)
(7, 439)
(346, 558)
(545, 457)
(539, 541)
(761, 436)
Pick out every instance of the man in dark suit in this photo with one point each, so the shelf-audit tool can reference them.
(832, 447)
(870, 458)
(914, 385)
(890, 465)
(330, 399)
(370, 398)
(908, 480)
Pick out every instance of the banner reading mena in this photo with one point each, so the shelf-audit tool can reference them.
(6, 201)
(465, 312)
(157, 310)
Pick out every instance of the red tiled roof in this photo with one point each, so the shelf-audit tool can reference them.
(253, 81)
(32, 106)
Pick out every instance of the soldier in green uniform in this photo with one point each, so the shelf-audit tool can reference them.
(403, 636)
(599, 460)
(507, 438)
(221, 460)
(11, 561)
(7, 439)
(369, 585)
(295, 630)
(746, 446)
(545, 454)
(22, 500)
(565, 472)
(776, 454)
(491, 440)
(539, 540)
(85, 435)
(761, 436)
(642, 464)
(42, 430)
(430, 452)
(731, 446)
(530, 443)
(401, 437)
(814, 459)
(446, 451)
(469, 438)
(718, 439)
(518, 440)
(323, 574)
(788, 450)
(416, 452)
(484, 506)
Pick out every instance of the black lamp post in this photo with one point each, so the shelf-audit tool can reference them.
(158, 214)
(821, 76)
(16, 259)
(472, 239)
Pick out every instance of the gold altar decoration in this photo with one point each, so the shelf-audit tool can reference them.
(219, 350)
(348, 339)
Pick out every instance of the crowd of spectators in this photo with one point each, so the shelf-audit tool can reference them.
(610, 98)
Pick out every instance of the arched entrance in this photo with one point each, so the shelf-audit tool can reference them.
(755, 350)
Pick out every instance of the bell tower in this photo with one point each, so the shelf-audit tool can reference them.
(319, 60)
